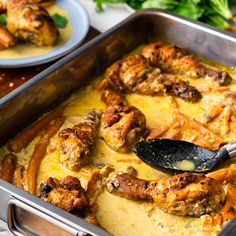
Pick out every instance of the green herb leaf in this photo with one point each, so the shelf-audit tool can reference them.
(217, 21)
(3, 19)
(163, 4)
(209, 11)
(190, 9)
(99, 3)
(60, 21)
(221, 7)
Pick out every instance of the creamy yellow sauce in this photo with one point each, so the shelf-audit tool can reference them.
(22, 50)
(118, 215)
(185, 165)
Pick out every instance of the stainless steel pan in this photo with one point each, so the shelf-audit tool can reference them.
(25, 214)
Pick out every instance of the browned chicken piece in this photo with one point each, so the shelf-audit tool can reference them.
(43, 3)
(186, 194)
(3, 5)
(69, 195)
(172, 59)
(110, 97)
(78, 142)
(31, 23)
(134, 74)
(122, 126)
(6, 39)
(66, 194)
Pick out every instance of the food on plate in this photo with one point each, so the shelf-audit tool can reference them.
(43, 3)
(78, 142)
(79, 156)
(31, 23)
(6, 39)
(31, 27)
(3, 4)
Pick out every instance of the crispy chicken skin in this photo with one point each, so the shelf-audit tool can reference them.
(186, 194)
(172, 59)
(31, 23)
(66, 194)
(3, 5)
(69, 195)
(135, 74)
(44, 3)
(122, 126)
(6, 39)
(110, 97)
(78, 142)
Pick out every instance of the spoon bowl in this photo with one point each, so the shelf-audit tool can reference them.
(180, 155)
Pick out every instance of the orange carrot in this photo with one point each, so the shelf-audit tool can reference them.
(8, 167)
(39, 152)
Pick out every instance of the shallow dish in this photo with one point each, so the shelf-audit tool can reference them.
(79, 23)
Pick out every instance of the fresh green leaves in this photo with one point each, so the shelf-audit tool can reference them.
(163, 4)
(190, 8)
(217, 21)
(209, 11)
(60, 21)
(3, 19)
(99, 3)
(221, 7)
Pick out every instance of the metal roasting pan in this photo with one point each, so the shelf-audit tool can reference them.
(24, 214)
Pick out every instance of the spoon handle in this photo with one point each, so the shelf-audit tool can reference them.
(231, 148)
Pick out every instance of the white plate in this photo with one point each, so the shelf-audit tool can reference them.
(80, 26)
(112, 14)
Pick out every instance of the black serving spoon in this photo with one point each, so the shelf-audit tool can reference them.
(179, 155)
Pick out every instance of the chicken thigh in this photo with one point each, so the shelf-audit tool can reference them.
(134, 74)
(186, 194)
(78, 142)
(31, 23)
(172, 59)
(67, 194)
(122, 126)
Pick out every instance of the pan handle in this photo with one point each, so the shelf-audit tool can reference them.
(16, 229)
(231, 148)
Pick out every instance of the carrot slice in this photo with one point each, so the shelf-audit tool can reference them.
(39, 152)
(8, 167)
(23, 139)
